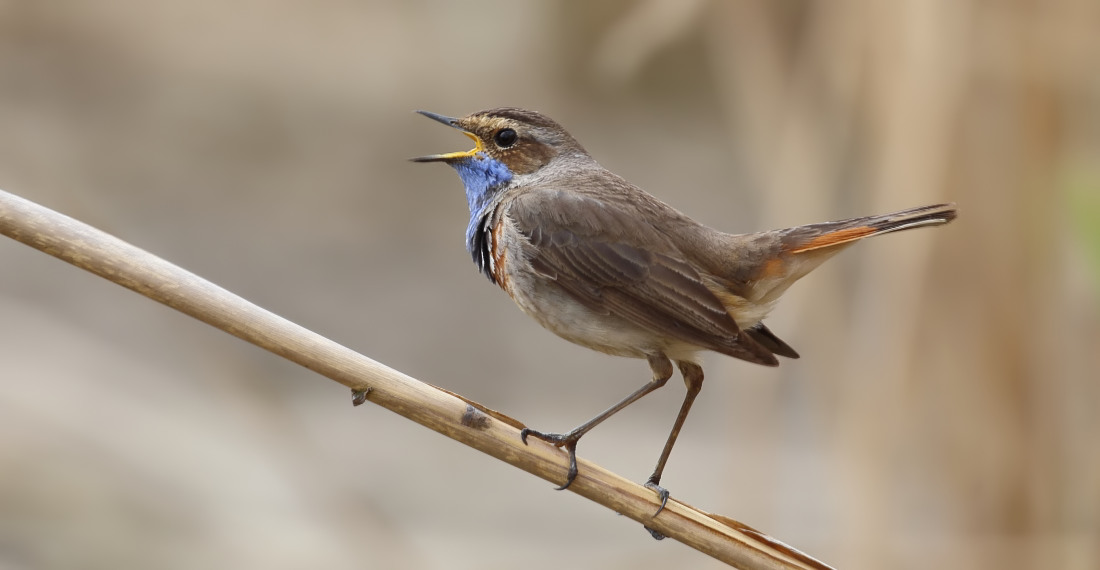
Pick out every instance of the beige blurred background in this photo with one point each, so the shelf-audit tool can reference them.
(945, 412)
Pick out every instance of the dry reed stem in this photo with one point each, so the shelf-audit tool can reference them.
(449, 414)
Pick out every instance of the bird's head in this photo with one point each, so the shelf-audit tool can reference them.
(521, 141)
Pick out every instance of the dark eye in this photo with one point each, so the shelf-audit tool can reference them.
(505, 138)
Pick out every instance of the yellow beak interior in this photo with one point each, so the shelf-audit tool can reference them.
(455, 155)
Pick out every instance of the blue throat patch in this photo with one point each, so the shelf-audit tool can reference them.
(482, 176)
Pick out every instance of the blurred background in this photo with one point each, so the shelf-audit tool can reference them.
(945, 411)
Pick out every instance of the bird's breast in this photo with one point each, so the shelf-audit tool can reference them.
(542, 298)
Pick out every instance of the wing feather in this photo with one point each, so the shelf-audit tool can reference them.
(615, 264)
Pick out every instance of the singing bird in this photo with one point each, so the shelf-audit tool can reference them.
(603, 264)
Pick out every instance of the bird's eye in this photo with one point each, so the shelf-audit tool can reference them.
(505, 138)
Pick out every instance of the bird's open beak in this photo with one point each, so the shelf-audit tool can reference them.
(449, 156)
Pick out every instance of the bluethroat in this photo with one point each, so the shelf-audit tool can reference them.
(605, 265)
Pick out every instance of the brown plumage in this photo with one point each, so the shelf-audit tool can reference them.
(605, 265)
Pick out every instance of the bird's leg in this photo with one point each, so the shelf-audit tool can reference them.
(693, 379)
(662, 371)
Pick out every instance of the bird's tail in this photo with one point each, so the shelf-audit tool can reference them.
(774, 260)
(770, 262)
(827, 235)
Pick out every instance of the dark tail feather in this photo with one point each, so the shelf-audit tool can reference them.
(768, 340)
(829, 234)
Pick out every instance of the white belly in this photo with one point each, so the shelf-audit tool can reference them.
(557, 311)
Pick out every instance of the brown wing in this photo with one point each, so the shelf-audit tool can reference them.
(613, 261)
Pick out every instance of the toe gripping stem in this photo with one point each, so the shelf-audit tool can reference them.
(568, 441)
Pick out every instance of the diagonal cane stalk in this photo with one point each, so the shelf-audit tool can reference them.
(449, 414)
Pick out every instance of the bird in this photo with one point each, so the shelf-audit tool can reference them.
(605, 265)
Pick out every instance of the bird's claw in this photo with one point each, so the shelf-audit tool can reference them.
(662, 494)
(568, 441)
(656, 534)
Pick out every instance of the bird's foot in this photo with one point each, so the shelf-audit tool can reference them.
(566, 440)
(662, 494)
(656, 534)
